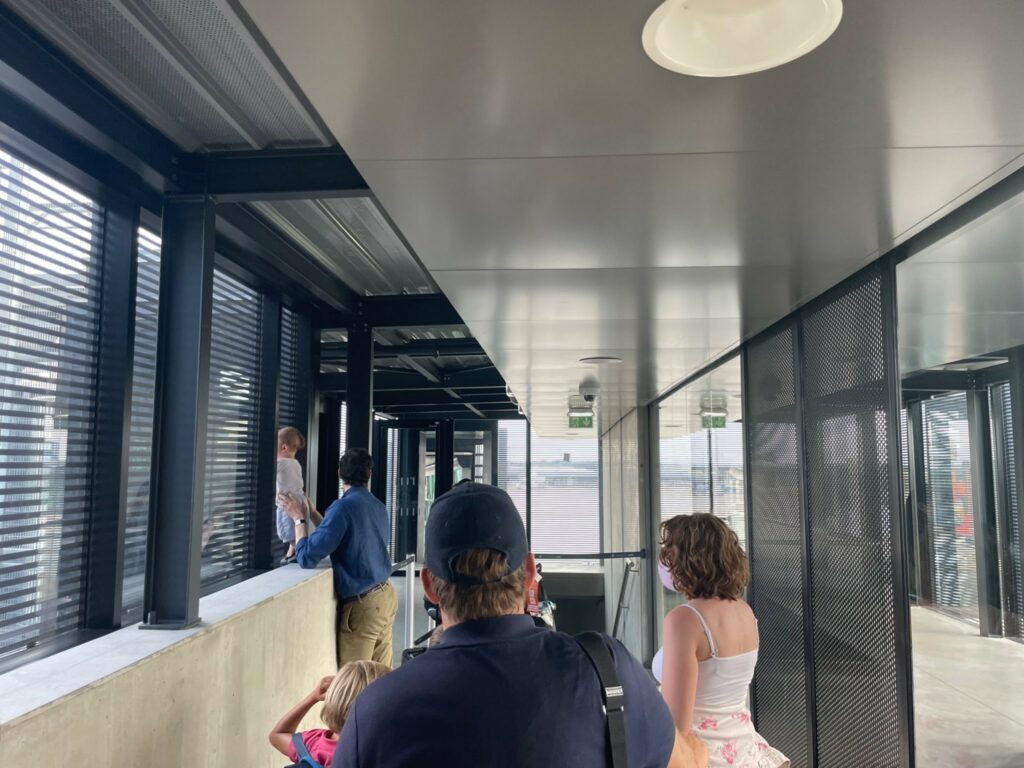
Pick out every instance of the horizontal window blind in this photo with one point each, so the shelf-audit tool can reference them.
(727, 477)
(512, 462)
(1010, 535)
(564, 495)
(950, 504)
(684, 474)
(342, 427)
(140, 425)
(50, 246)
(287, 415)
(232, 430)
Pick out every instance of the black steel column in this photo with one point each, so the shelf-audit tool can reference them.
(359, 390)
(266, 451)
(986, 547)
(111, 437)
(379, 481)
(329, 439)
(919, 504)
(444, 456)
(182, 395)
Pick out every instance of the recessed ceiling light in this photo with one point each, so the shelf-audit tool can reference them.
(723, 38)
(600, 360)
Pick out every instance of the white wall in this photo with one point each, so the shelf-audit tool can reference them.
(203, 697)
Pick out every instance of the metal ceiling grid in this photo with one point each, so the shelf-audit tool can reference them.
(192, 68)
(351, 237)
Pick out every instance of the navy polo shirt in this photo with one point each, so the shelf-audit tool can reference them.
(355, 533)
(503, 692)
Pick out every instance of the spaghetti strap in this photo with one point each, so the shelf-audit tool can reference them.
(707, 631)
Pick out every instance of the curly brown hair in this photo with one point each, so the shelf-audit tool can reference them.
(704, 557)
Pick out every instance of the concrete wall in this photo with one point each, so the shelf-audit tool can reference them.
(207, 698)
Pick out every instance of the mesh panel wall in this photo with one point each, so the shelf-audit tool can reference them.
(1010, 565)
(846, 410)
(232, 430)
(50, 245)
(777, 546)
(140, 454)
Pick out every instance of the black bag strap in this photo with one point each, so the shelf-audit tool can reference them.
(305, 759)
(612, 696)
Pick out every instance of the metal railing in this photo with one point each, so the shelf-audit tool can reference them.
(632, 567)
(409, 564)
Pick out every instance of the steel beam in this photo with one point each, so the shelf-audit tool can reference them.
(182, 396)
(986, 545)
(359, 394)
(113, 416)
(295, 174)
(444, 457)
(434, 348)
(267, 422)
(421, 309)
(410, 381)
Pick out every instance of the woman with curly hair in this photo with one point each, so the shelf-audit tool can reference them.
(710, 651)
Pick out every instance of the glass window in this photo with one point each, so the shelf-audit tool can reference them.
(50, 245)
(232, 430)
(140, 453)
(564, 495)
(512, 461)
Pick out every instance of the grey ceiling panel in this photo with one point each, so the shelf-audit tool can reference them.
(352, 238)
(190, 67)
(570, 196)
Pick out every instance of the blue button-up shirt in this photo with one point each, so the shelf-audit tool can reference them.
(355, 533)
(501, 692)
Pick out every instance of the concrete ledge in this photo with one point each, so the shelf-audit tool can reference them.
(173, 698)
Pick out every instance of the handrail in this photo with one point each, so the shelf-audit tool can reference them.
(641, 554)
(631, 567)
(409, 564)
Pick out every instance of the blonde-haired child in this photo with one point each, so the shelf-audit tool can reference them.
(338, 693)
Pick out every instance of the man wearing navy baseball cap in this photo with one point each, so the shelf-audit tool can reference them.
(498, 690)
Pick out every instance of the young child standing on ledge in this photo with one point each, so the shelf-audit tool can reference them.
(289, 482)
(337, 693)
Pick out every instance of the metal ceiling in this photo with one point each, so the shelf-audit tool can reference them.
(195, 69)
(352, 237)
(572, 198)
(962, 297)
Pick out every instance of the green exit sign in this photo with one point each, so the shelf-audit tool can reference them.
(710, 421)
(581, 422)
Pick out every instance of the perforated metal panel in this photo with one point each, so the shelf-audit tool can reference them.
(777, 546)
(190, 67)
(851, 513)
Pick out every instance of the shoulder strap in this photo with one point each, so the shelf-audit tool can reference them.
(612, 696)
(707, 630)
(301, 752)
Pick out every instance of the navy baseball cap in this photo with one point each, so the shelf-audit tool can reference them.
(473, 516)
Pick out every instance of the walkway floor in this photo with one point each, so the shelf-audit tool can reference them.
(968, 695)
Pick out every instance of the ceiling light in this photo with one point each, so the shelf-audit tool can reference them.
(600, 360)
(723, 38)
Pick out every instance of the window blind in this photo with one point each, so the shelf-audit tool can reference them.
(727, 485)
(50, 246)
(232, 430)
(684, 474)
(512, 462)
(564, 495)
(950, 504)
(286, 399)
(342, 427)
(140, 425)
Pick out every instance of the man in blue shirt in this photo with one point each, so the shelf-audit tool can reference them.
(355, 532)
(497, 690)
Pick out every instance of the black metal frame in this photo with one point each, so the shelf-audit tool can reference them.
(990, 609)
(269, 407)
(111, 438)
(182, 387)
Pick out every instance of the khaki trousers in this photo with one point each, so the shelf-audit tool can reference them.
(364, 627)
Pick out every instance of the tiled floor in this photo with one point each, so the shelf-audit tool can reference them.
(968, 695)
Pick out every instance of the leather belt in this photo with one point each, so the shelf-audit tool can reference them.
(364, 594)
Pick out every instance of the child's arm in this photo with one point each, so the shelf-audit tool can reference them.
(287, 726)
